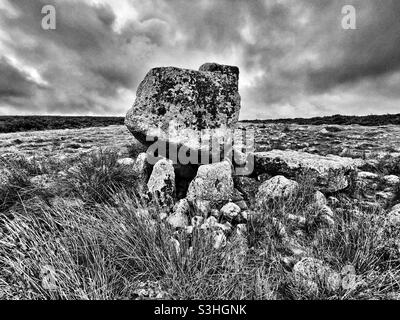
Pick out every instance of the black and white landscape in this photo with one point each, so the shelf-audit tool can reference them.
(188, 150)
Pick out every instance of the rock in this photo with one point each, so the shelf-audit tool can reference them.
(373, 186)
(230, 211)
(241, 229)
(226, 227)
(4, 176)
(330, 173)
(161, 184)
(244, 215)
(242, 205)
(43, 181)
(276, 189)
(142, 170)
(391, 181)
(219, 239)
(215, 213)
(369, 176)
(209, 224)
(180, 218)
(173, 105)
(393, 218)
(149, 290)
(189, 230)
(325, 215)
(349, 277)
(213, 183)
(311, 274)
(333, 201)
(320, 199)
(129, 162)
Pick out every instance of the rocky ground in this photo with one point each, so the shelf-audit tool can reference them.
(350, 141)
(319, 218)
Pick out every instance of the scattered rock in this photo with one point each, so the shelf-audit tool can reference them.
(242, 205)
(391, 181)
(149, 290)
(393, 218)
(129, 162)
(219, 239)
(320, 199)
(312, 275)
(276, 189)
(213, 183)
(330, 173)
(142, 170)
(230, 211)
(44, 181)
(180, 217)
(161, 184)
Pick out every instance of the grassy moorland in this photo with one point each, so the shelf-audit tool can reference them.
(81, 232)
(40, 123)
(370, 120)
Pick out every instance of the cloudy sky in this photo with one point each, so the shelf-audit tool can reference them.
(295, 58)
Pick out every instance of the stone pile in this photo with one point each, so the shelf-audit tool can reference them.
(174, 107)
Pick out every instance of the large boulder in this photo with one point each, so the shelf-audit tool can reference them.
(173, 105)
(329, 173)
(213, 184)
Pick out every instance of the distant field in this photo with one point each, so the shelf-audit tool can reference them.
(39, 123)
(371, 120)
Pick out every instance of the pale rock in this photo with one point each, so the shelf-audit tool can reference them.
(212, 183)
(230, 211)
(310, 273)
(276, 189)
(161, 184)
(180, 217)
(329, 173)
(128, 162)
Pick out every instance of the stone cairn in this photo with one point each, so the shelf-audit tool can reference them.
(187, 120)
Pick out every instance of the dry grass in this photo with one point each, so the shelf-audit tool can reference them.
(92, 238)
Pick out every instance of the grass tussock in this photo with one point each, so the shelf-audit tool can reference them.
(91, 237)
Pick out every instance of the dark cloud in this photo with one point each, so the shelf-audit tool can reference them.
(85, 60)
(371, 51)
(14, 83)
(294, 56)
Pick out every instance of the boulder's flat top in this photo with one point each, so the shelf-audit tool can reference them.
(298, 159)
